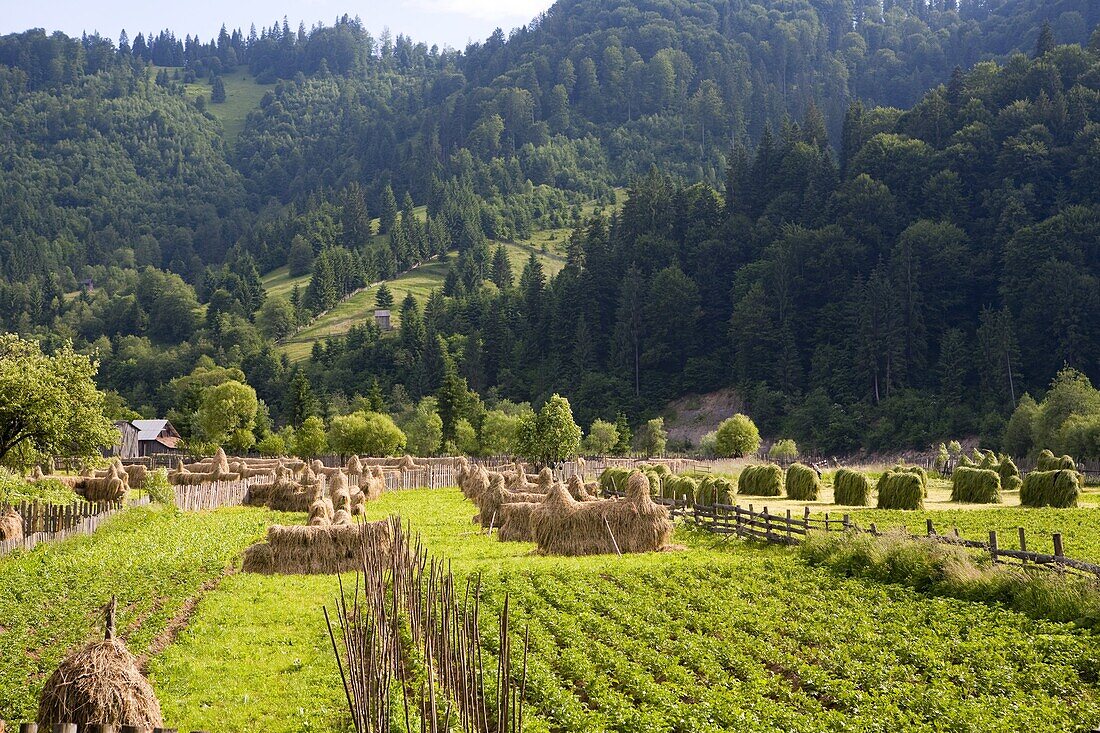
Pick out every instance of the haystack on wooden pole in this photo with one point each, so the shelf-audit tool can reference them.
(100, 684)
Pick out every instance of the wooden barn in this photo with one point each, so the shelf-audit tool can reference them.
(142, 438)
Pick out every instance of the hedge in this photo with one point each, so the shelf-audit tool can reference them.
(764, 480)
(976, 486)
(803, 483)
(851, 488)
(900, 490)
(1051, 488)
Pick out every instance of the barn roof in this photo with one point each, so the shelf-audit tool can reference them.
(149, 429)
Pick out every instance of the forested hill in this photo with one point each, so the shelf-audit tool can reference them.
(836, 207)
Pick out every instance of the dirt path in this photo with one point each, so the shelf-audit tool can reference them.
(179, 622)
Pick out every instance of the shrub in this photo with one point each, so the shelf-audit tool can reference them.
(714, 490)
(160, 491)
(737, 436)
(764, 480)
(851, 488)
(803, 483)
(942, 458)
(976, 486)
(783, 450)
(1051, 488)
(900, 490)
(14, 489)
(271, 446)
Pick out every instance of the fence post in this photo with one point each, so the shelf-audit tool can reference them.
(28, 728)
(993, 544)
(1023, 541)
(767, 526)
(1058, 550)
(931, 529)
(789, 536)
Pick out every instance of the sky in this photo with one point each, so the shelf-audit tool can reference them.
(442, 22)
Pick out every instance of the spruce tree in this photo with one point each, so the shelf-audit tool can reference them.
(217, 94)
(500, 271)
(1045, 43)
(383, 299)
(387, 216)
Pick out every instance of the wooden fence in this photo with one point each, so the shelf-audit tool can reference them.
(214, 495)
(54, 522)
(789, 529)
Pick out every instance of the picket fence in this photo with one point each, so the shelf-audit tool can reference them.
(55, 522)
(214, 495)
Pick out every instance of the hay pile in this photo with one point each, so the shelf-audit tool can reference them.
(851, 488)
(475, 483)
(578, 490)
(562, 525)
(917, 471)
(803, 483)
(976, 486)
(515, 521)
(715, 490)
(490, 501)
(372, 483)
(1047, 461)
(407, 463)
(1009, 473)
(112, 486)
(900, 490)
(203, 472)
(324, 550)
(11, 525)
(763, 480)
(613, 480)
(1051, 488)
(284, 494)
(100, 684)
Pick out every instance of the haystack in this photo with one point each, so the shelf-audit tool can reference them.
(900, 489)
(110, 487)
(477, 483)
(490, 501)
(561, 525)
(355, 466)
(372, 483)
(100, 684)
(545, 481)
(315, 550)
(715, 490)
(764, 480)
(851, 488)
(515, 521)
(407, 463)
(577, 489)
(976, 485)
(803, 483)
(320, 513)
(283, 494)
(11, 526)
(1051, 488)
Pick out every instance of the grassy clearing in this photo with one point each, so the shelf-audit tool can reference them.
(359, 308)
(153, 559)
(242, 95)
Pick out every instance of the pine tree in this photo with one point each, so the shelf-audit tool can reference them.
(217, 94)
(626, 435)
(383, 299)
(387, 216)
(500, 271)
(1045, 43)
(301, 403)
(627, 334)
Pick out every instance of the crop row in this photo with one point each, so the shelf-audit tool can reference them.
(754, 642)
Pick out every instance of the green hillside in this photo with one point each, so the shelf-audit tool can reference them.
(420, 282)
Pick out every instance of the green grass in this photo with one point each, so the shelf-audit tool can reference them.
(279, 284)
(242, 95)
(718, 636)
(359, 308)
(153, 559)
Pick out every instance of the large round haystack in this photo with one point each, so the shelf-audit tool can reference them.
(100, 684)
(11, 526)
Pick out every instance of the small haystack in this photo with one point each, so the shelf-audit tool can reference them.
(112, 486)
(284, 494)
(300, 550)
(372, 483)
(100, 684)
(355, 466)
(578, 490)
(561, 525)
(545, 482)
(476, 484)
(320, 513)
(851, 488)
(407, 463)
(11, 526)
